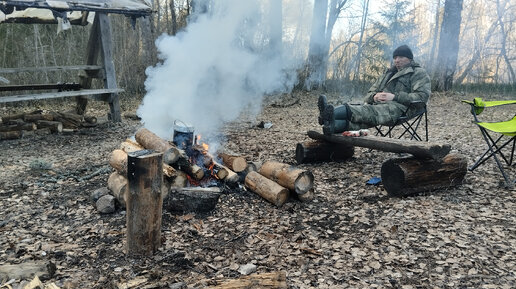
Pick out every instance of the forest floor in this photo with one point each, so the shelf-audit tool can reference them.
(351, 235)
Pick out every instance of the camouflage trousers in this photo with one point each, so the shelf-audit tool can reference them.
(367, 115)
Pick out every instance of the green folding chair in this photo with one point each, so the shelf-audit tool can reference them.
(499, 136)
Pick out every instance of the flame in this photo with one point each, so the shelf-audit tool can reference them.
(204, 145)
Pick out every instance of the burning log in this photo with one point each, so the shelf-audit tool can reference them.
(119, 187)
(192, 170)
(268, 189)
(180, 180)
(194, 199)
(297, 180)
(144, 203)
(235, 163)
(54, 126)
(149, 140)
(321, 151)
(405, 176)
(220, 171)
(18, 126)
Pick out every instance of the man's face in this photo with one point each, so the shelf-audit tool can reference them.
(401, 61)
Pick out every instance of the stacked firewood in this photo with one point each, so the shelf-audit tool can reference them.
(272, 180)
(16, 126)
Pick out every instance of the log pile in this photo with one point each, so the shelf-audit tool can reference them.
(189, 179)
(37, 122)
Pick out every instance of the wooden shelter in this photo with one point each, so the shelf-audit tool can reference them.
(76, 12)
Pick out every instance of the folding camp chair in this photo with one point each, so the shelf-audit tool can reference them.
(409, 125)
(498, 135)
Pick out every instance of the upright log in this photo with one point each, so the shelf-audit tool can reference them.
(268, 189)
(149, 140)
(405, 176)
(144, 203)
(297, 180)
(321, 151)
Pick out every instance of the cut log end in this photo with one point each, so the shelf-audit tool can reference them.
(304, 182)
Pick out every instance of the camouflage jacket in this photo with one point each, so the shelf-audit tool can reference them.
(412, 83)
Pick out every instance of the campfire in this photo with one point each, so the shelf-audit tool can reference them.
(190, 169)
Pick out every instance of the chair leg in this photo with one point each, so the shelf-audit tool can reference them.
(493, 153)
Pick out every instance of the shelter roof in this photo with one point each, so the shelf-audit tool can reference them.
(28, 11)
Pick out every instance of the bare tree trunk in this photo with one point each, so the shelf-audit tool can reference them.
(315, 60)
(500, 11)
(436, 33)
(476, 54)
(365, 11)
(174, 17)
(276, 25)
(448, 45)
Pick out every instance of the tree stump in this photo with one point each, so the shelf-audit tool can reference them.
(405, 176)
(144, 202)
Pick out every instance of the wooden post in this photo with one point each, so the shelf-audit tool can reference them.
(92, 52)
(109, 66)
(144, 202)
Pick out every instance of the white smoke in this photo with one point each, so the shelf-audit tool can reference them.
(213, 71)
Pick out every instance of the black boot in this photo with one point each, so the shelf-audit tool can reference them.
(335, 126)
(331, 123)
(322, 102)
(342, 112)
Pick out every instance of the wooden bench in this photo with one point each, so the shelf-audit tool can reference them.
(430, 167)
(102, 94)
(99, 46)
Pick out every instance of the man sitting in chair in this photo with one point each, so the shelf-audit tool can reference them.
(387, 99)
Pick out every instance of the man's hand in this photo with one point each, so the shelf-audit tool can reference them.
(383, 97)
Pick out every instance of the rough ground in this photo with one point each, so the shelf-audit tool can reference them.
(351, 235)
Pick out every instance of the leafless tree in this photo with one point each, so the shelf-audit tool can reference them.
(448, 45)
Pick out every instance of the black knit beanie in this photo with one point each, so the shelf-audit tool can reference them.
(403, 50)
